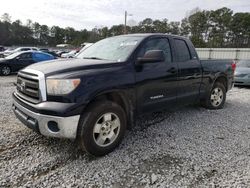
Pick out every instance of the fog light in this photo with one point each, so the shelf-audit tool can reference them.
(53, 126)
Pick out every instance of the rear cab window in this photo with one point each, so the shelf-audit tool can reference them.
(182, 50)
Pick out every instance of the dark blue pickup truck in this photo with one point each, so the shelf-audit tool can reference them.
(95, 97)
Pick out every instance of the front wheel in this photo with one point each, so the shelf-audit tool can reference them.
(217, 97)
(5, 70)
(102, 128)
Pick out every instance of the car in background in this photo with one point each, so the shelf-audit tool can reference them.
(19, 60)
(2, 49)
(60, 52)
(45, 50)
(70, 54)
(76, 52)
(242, 73)
(20, 49)
(84, 48)
(51, 52)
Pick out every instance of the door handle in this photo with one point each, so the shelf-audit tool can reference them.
(172, 70)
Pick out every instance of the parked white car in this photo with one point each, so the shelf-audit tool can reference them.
(70, 54)
(84, 48)
(20, 49)
(74, 53)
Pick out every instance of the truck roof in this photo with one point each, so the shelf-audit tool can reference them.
(153, 34)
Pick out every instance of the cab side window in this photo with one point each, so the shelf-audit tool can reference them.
(157, 44)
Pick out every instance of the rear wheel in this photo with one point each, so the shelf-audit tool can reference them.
(102, 128)
(5, 70)
(217, 97)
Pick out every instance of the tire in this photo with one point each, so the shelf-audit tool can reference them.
(5, 70)
(101, 128)
(216, 98)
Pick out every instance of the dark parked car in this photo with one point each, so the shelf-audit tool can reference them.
(19, 60)
(51, 52)
(242, 73)
(94, 98)
(2, 49)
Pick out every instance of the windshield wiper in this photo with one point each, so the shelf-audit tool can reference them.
(93, 58)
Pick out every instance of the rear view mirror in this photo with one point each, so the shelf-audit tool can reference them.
(152, 56)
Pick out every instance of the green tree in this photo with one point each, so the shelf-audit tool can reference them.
(240, 30)
(185, 27)
(44, 35)
(198, 24)
(6, 18)
(174, 28)
(220, 20)
(213, 28)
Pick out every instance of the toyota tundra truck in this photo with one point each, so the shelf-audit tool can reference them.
(95, 97)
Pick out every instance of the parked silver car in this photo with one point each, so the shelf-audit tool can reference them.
(20, 49)
(242, 73)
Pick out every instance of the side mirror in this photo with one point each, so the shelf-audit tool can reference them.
(152, 56)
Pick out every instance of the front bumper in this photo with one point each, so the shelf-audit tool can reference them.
(47, 125)
(242, 81)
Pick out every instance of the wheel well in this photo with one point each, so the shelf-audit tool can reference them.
(6, 66)
(118, 99)
(222, 80)
(114, 97)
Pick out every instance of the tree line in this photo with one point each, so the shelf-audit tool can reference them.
(206, 28)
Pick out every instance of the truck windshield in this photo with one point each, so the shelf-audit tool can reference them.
(244, 64)
(115, 48)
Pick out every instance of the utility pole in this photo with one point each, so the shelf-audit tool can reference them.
(125, 25)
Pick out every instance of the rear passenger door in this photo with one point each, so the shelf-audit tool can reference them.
(155, 82)
(189, 72)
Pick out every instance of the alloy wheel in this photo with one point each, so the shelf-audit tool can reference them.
(106, 129)
(216, 96)
(5, 71)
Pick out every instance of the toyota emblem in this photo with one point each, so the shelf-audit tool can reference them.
(22, 86)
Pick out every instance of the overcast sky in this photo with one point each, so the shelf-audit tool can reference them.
(87, 14)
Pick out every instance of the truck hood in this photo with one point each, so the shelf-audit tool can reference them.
(66, 65)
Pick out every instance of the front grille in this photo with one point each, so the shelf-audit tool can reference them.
(28, 87)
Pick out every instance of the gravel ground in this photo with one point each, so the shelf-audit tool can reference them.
(188, 147)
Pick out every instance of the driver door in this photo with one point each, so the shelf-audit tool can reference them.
(156, 82)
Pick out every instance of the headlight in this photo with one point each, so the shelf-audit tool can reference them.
(61, 86)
